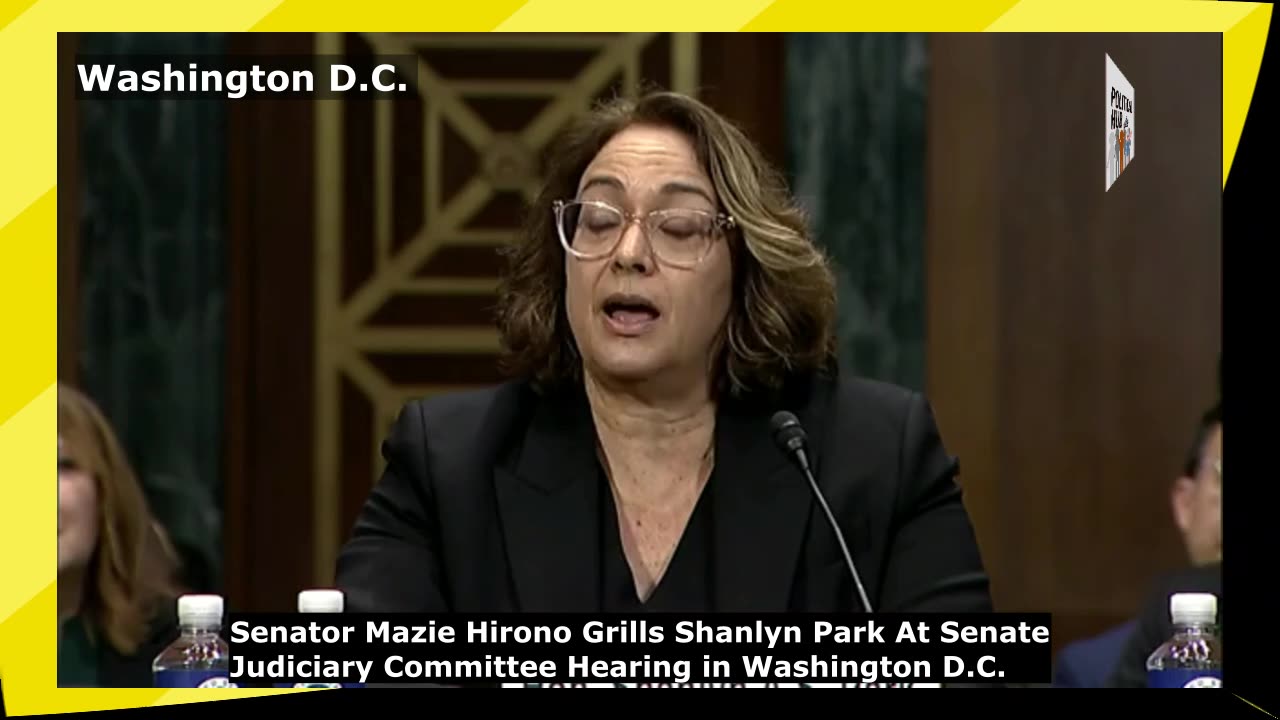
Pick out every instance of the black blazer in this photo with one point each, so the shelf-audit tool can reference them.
(489, 504)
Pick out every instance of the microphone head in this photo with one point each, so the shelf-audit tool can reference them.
(787, 432)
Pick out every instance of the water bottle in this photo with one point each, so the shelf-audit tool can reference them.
(1192, 658)
(320, 601)
(199, 658)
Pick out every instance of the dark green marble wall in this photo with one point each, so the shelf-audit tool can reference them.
(153, 246)
(855, 117)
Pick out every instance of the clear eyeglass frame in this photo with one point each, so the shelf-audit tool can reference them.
(719, 223)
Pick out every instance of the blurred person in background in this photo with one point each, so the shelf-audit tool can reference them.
(1196, 499)
(116, 569)
(1197, 504)
(1197, 495)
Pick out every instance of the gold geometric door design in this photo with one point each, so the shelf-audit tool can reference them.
(413, 197)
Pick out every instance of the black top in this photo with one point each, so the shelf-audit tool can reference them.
(686, 584)
(101, 665)
(491, 502)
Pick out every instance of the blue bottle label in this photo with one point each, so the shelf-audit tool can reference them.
(1184, 678)
(193, 679)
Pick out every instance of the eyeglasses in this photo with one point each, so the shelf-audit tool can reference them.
(682, 237)
(1210, 469)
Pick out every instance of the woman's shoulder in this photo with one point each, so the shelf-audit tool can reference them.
(466, 412)
(853, 398)
(876, 395)
(466, 424)
(868, 416)
(470, 405)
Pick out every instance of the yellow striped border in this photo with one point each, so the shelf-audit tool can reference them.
(28, 202)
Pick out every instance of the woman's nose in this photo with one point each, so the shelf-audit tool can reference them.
(633, 251)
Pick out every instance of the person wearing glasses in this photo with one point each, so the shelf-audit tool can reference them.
(1197, 510)
(664, 301)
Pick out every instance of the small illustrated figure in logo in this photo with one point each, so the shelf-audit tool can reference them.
(1119, 163)
(1124, 156)
(1113, 160)
(1128, 145)
(1119, 151)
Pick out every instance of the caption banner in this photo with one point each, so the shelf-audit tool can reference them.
(536, 650)
(237, 77)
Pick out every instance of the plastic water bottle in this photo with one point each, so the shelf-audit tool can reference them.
(1192, 658)
(320, 601)
(199, 658)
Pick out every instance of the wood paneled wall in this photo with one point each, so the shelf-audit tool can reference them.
(1073, 333)
(270, 342)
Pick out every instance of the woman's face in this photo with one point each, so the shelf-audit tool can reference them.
(77, 513)
(635, 317)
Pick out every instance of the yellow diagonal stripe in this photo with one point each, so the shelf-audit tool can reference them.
(28, 664)
(190, 695)
(12, 10)
(347, 16)
(28, 304)
(28, 206)
(1127, 16)
(1242, 48)
(28, 659)
(28, 74)
(799, 15)
(1255, 707)
(662, 15)
(29, 510)
(1244, 27)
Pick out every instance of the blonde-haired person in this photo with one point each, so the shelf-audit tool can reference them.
(664, 301)
(116, 569)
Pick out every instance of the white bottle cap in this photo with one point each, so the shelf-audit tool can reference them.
(320, 601)
(200, 610)
(1193, 608)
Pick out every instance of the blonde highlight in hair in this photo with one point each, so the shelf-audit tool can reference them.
(133, 567)
(782, 317)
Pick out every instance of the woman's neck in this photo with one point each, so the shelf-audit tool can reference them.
(632, 412)
(653, 442)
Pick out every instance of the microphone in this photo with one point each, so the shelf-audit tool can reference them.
(790, 437)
